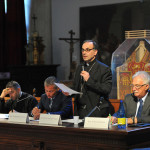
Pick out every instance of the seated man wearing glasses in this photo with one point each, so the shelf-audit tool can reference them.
(137, 104)
(94, 80)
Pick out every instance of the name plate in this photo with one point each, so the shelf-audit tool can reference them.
(19, 117)
(50, 119)
(95, 122)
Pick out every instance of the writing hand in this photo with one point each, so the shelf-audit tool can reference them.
(36, 111)
(36, 117)
(113, 119)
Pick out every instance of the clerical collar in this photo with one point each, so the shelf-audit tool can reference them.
(52, 98)
(90, 63)
(87, 64)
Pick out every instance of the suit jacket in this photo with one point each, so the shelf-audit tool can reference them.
(130, 106)
(98, 85)
(24, 104)
(61, 105)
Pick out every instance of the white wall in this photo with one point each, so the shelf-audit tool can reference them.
(42, 10)
(65, 16)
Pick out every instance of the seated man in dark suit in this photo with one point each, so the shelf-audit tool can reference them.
(53, 101)
(19, 101)
(137, 104)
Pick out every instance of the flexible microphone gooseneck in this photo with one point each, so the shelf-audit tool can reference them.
(99, 106)
(96, 107)
(19, 100)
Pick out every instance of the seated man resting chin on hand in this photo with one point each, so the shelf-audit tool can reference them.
(19, 101)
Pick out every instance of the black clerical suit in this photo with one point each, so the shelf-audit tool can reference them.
(24, 104)
(60, 104)
(98, 85)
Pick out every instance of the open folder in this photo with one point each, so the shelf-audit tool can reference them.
(64, 88)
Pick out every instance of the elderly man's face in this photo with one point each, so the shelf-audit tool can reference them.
(139, 87)
(50, 91)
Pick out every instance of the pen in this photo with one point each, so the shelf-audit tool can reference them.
(110, 119)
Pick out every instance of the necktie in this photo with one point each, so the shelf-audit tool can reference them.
(140, 108)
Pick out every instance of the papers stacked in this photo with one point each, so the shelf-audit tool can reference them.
(66, 89)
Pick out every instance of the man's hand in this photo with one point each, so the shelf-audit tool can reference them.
(5, 92)
(85, 75)
(36, 113)
(113, 119)
(65, 93)
(130, 121)
(36, 117)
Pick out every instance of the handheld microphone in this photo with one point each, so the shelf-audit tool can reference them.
(82, 70)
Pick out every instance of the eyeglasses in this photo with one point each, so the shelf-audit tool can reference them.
(137, 86)
(87, 49)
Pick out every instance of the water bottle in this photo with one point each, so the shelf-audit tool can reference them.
(121, 116)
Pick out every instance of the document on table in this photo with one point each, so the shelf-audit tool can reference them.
(4, 116)
(72, 120)
(64, 88)
(32, 119)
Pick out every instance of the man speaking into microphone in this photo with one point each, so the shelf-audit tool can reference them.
(19, 101)
(94, 80)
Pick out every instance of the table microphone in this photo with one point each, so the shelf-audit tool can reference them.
(98, 106)
(19, 100)
(101, 104)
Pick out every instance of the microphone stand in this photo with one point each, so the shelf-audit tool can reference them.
(96, 107)
(13, 104)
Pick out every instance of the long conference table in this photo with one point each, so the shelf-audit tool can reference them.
(33, 136)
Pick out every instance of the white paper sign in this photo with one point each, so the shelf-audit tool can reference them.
(4, 116)
(19, 117)
(50, 119)
(95, 122)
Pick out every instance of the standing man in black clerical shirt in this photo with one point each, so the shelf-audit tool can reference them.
(53, 101)
(94, 80)
(19, 101)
